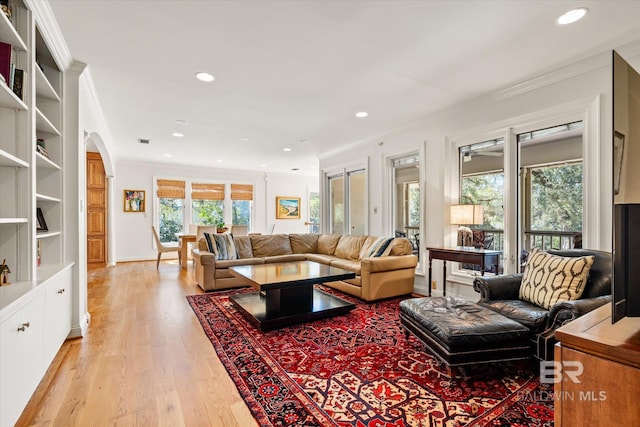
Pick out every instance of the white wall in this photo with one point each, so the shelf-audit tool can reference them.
(133, 230)
(587, 80)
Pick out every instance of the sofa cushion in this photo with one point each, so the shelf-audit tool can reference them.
(304, 243)
(222, 245)
(321, 258)
(270, 244)
(401, 246)
(530, 315)
(243, 246)
(284, 258)
(549, 279)
(380, 247)
(233, 262)
(348, 247)
(354, 266)
(327, 243)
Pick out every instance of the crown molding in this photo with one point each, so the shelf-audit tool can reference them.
(51, 32)
(630, 50)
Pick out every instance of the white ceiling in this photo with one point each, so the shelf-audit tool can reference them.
(294, 73)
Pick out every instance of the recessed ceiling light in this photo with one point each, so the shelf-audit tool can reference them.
(304, 141)
(168, 155)
(361, 114)
(286, 149)
(182, 122)
(205, 77)
(294, 170)
(244, 138)
(178, 134)
(572, 16)
(263, 165)
(219, 160)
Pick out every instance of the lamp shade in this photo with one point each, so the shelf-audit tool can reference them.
(466, 215)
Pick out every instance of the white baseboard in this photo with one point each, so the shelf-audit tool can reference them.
(78, 331)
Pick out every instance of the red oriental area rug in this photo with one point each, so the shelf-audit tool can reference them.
(360, 370)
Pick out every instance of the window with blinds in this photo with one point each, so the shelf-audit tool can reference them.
(207, 203)
(241, 204)
(171, 194)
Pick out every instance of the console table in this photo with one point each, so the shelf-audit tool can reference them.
(463, 254)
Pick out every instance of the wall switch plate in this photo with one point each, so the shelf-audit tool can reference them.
(433, 284)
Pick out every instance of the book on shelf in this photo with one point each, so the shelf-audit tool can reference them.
(38, 258)
(5, 62)
(18, 81)
(40, 149)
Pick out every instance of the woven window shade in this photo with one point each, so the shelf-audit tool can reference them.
(207, 191)
(241, 192)
(171, 189)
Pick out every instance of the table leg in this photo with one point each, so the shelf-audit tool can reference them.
(444, 279)
(429, 284)
(183, 249)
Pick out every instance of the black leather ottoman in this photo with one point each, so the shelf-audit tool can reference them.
(460, 332)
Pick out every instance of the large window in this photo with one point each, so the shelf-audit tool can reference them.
(171, 195)
(207, 204)
(406, 199)
(314, 212)
(482, 183)
(336, 204)
(241, 204)
(551, 184)
(347, 213)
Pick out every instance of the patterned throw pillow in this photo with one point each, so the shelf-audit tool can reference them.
(222, 245)
(381, 247)
(549, 279)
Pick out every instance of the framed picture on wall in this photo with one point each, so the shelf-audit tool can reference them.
(287, 207)
(134, 201)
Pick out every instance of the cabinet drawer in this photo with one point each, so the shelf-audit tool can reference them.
(21, 364)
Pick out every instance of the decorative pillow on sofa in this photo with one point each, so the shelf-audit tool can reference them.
(381, 247)
(222, 245)
(549, 279)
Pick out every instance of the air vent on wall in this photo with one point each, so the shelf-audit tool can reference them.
(143, 141)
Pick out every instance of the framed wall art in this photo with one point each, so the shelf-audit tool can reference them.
(287, 207)
(41, 225)
(134, 201)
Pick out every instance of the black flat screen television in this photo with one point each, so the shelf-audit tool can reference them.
(626, 190)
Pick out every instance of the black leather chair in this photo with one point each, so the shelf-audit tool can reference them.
(501, 294)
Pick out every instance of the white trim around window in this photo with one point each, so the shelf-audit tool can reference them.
(586, 110)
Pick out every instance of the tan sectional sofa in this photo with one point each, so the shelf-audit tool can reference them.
(376, 277)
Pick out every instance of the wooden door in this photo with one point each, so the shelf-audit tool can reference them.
(96, 210)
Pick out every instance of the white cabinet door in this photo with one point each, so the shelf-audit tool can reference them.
(21, 364)
(57, 313)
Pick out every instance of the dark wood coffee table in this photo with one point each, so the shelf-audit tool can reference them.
(286, 295)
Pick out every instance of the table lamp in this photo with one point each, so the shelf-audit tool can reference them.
(464, 215)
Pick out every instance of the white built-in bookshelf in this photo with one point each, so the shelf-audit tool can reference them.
(35, 308)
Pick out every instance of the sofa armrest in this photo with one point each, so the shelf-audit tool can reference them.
(504, 287)
(566, 311)
(205, 267)
(202, 257)
(388, 263)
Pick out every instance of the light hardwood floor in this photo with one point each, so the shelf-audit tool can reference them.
(145, 360)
